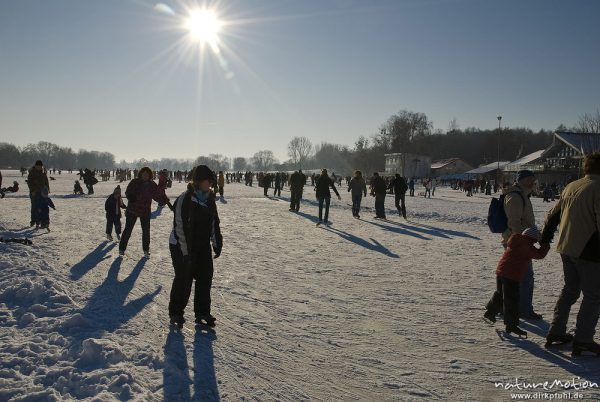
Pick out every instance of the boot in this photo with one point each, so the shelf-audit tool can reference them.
(557, 340)
(516, 330)
(579, 347)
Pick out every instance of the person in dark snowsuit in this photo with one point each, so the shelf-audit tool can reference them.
(140, 192)
(42, 214)
(36, 181)
(358, 187)
(297, 182)
(323, 183)
(378, 189)
(77, 188)
(266, 183)
(112, 206)
(277, 192)
(411, 187)
(196, 227)
(399, 186)
(89, 180)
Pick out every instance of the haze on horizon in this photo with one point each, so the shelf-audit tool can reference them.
(122, 76)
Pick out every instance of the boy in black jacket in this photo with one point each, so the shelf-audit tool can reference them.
(195, 228)
(112, 206)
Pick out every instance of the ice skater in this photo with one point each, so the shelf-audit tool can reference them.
(358, 187)
(42, 210)
(510, 271)
(196, 227)
(112, 206)
(323, 183)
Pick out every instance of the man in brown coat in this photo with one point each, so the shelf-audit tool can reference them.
(578, 212)
(519, 212)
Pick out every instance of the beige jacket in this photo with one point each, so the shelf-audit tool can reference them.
(579, 209)
(519, 211)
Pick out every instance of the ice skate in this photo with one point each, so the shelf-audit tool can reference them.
(109, 237)
(580, 347)
(558, 340)
(206, 320)
(516, 330)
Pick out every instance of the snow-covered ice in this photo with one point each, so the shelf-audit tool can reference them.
(362, 310)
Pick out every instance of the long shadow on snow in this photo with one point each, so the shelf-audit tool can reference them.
(432, 230)
(106, 310)
(205, 380)
(91, 260)
(176, 372)
(587, 368)
(375, 246)
(399, 230)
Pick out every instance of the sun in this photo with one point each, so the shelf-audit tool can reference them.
(204, 26)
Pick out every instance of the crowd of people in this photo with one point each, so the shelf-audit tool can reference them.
(196, 238)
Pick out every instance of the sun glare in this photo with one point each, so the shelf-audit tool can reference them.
(204, 26)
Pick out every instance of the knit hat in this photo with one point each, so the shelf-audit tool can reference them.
(532, 232)
(39, 163)
(523, 174)
(203, 172)
(117, 190)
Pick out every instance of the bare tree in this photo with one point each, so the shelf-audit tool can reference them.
(299, 150)
(589, 122)
(263, 160)
(239, 164)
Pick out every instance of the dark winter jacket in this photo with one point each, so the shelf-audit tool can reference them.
(322, 187)
(196, 224)
(378, 185)
(297, 181)
(113, 206)
(36, 180)
(89, 178)
(43, 206)
(140, 194)
(358, 186)
(517, 257)
(399, 185)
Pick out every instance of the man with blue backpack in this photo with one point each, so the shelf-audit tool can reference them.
(513, 213)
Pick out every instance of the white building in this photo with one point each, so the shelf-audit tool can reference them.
(408, 165)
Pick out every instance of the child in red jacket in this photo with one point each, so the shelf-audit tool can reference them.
(509, 273)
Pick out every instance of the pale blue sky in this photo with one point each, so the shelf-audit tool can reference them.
(100, 75)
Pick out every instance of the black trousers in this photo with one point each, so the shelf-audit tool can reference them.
(200, 268)
(130, 220)
(506, 299)
(401, 204)
(380, 205)
(295, 199)
(113, 220)
(277, 192)
(266, 189)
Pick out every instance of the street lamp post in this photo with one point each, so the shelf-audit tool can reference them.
(498, 155)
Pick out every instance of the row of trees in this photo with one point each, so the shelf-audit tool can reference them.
(53, 155)
(406, 131)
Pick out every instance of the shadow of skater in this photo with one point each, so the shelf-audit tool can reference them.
(585, 368)
(205, 380)
(176, 372)
(538, 327)
(397, 229)
(375, 246)
(106, 307)
(91, 260)
(435, 231)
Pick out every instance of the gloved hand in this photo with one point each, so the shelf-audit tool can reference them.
(217, 251)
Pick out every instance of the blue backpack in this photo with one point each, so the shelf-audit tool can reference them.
(497, 220)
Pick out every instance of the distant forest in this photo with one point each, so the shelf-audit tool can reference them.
(406, 131)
